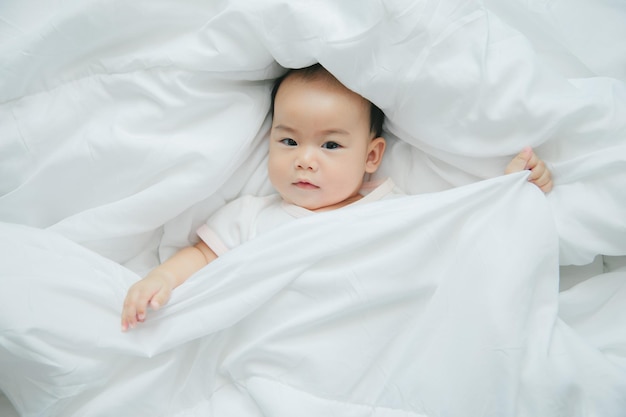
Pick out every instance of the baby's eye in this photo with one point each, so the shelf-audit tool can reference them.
(289, 142)
(331, 145)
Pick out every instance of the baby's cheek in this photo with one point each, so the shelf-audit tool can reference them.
(273, 171)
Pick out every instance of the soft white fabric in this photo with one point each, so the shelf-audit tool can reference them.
(125, 124)
(424, 305)
(250, 216)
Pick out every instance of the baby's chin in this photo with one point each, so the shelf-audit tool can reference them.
(306, 204)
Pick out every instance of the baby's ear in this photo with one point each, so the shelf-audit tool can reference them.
(375, 152)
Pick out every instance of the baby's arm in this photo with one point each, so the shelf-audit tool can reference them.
(155, 289)
(539, 173)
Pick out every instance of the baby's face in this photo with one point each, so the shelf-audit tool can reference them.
(319, 144)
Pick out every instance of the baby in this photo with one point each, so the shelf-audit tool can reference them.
(324, 139)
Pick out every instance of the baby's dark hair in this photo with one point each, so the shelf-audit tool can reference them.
(377, 117)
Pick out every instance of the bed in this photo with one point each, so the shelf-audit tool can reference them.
(124, 125)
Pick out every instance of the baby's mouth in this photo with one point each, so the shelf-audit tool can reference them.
(305, 185)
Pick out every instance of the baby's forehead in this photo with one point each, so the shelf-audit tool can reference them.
(321, 78)
(323, 82)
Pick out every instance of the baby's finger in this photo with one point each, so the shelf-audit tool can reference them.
(160, 298)
(544, 181)
(129, 313)
(533, 161)
(134, 307)
(141, 305)
(537, 170)
(519, 162)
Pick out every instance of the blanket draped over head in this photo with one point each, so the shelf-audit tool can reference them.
(125, 124)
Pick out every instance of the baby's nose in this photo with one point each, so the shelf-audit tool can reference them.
(306, 159)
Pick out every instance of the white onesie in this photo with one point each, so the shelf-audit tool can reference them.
(249, 216)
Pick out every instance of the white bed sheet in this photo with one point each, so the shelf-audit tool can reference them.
(124, 125)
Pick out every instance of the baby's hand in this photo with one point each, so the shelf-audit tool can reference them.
(154, 290)
(539, 173)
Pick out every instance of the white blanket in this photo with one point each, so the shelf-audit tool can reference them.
(428, 305)
(123, 125)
